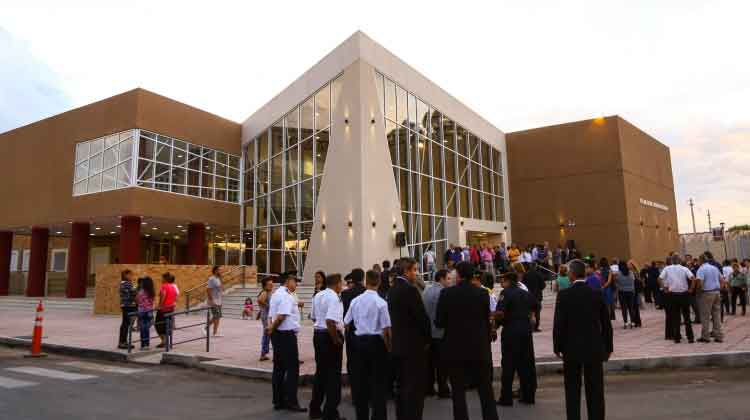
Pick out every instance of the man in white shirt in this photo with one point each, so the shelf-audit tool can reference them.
(677, 282)
(369, 315)
(711, 282)
(284, 315)
(328, 341)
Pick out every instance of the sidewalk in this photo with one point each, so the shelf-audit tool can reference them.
(240, 345)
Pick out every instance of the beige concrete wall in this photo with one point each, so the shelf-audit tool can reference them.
(357, 185)
(107, 296)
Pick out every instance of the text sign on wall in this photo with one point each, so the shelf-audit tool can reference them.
(655, 205)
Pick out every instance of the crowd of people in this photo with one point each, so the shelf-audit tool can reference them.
(406, 339)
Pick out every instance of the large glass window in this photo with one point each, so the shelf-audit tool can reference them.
(104, 164)
(285, 177)
(176, 166)
(441, 169)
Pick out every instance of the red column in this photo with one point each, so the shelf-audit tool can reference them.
(6, 247)
(197, 244)
(35, 286)
(130, 240)
(78, 261)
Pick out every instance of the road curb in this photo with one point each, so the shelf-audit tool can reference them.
(209, 364)
(111, 356)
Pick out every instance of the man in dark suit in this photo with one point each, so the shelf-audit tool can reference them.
(535, 282)
(411, 336)
(582, 337)
(464, 312)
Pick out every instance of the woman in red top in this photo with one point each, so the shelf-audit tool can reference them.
(167, 301)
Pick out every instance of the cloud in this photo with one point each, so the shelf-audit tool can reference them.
(29, 90)
(711, 164)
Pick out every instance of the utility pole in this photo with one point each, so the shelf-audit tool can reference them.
(692, 213)
(709, 220)
(724, 238)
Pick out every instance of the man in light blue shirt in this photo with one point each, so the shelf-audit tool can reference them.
(710, 280)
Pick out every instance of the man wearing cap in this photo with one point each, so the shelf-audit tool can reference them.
(285, 319)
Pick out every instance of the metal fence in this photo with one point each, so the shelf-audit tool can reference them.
(737, 244)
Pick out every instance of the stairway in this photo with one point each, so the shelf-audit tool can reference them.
(234, 300)
(18, 303)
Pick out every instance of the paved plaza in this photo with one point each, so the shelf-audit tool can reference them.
(240, 345)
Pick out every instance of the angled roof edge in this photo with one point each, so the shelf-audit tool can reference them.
(356, 47)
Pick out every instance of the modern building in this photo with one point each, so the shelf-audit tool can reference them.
(361, 159)
(128, 179)
(601, 183)
(359, 148)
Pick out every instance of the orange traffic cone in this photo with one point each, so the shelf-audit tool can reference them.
(36, 340)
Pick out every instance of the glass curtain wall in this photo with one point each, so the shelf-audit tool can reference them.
(104, 164)
(180, 167)
(283, 168)
(441, 170)
(160, 162)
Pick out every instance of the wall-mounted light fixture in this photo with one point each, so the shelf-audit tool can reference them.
(462, 222)
(373, 224)
(657, 226)
(642, 223)
(562, 225)
(323, 226)
(394, 226)
(346, 121)
(372, 121)
(350, 224)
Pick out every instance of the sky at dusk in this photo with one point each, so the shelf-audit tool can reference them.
(679, 70)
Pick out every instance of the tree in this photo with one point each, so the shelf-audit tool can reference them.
(738, 228)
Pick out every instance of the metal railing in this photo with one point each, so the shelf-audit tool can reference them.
(200, 289)
(169, 323)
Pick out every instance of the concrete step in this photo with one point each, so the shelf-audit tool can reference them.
(52, 303)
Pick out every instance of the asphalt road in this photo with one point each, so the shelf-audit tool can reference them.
(67, 388)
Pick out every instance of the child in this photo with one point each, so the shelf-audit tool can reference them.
(248, 311)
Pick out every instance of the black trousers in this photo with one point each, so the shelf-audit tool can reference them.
(679, 305)
(738, 292)
(648, 292)
(626, 306)
(285, 369)
(125, 324)
(327, 382)
(517, 356)
(593, 378)
(412, 372)
(372, 378)
(538, 314)
(667, 307)
(437, 371)
(351, 361)
(457, 372)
